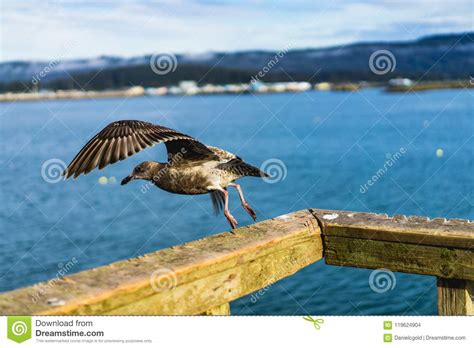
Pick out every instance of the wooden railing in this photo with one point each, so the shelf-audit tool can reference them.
(203, 276)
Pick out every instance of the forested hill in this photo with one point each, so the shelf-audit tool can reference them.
(439, 57)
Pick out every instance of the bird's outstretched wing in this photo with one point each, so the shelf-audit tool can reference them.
(122, 139)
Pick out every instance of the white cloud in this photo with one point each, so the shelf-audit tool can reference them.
(67, 29)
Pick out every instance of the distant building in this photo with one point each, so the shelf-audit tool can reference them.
(298, 86)
(233, 88)
(209, 88)
(156, 91)
(258, 87)
(399, 81)
(277, 87)
(175, 90)
(189, 87)
(322, 86)
(135, 90)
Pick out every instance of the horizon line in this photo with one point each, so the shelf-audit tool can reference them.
(338, 46)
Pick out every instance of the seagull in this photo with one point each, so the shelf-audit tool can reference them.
(192, 168)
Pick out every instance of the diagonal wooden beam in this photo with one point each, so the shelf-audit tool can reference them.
(187, 279)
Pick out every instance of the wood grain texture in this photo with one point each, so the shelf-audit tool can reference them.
(399, 257)
(439, 247)
(186, 279)
(223, 309)
(455, 296)
(420, 230)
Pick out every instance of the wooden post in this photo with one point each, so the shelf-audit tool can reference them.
(223, 309)
(455, 297)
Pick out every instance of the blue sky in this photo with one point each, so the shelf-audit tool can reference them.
(61, 29)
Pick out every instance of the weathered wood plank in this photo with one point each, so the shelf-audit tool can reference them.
(187, 279)
(399, 257)
(440, 247)
(455, 297)
(442, 232)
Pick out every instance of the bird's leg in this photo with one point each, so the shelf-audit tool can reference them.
(227, 214)
(245, 205)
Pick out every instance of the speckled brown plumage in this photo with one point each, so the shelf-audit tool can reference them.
(192, 167)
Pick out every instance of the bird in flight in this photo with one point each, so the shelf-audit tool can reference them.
(192, 168)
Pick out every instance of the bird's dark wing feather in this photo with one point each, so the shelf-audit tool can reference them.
(122, 139)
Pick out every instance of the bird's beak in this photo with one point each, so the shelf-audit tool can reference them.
(127, 179)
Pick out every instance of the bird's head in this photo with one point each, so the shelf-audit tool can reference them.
(145, 170)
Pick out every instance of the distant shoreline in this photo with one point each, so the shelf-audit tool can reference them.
(431, 85)
(189, 88)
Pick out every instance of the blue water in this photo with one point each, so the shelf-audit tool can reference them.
(330, 142)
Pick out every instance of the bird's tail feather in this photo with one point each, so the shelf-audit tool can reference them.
(244, 169)
(250, 170)
(218, 200)
(259, 172)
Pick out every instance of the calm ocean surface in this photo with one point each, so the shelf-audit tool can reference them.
(331, 144)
